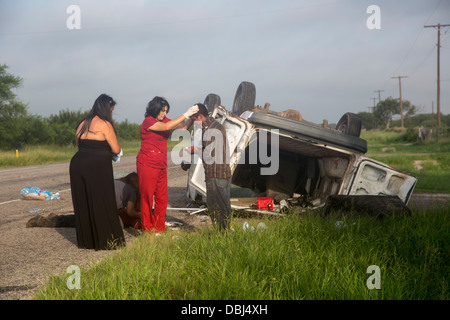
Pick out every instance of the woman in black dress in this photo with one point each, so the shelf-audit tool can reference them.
(92, 181)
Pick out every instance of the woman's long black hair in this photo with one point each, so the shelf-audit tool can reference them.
(102, 109)
(155, 106)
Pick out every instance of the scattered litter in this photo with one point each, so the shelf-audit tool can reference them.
(198, 211)
(341, 224)
(33, 193)
(189, 209)
(203, 219)
(284, 204)
(33, 210)
(173, 224)
(246, 227)
(261, 225)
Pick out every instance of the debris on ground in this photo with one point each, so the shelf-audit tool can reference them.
(34, 193)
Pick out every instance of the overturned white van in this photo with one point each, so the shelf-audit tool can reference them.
(296, 162)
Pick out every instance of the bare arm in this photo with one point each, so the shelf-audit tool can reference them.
(131, 210)
(176, 123)
(111, 138)
(170, 125)
(186, 125)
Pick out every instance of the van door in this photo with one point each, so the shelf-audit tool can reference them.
(238, 133)
(376, 178)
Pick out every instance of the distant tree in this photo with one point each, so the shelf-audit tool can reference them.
(389, 107)
(367, 120)
(64, 125)
(128, 131)
(11, 109)
(71, 118)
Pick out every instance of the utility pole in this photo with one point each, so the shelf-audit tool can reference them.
(379, 96)
(400, 89)
(432, 114)
(373, 113)
(438, 26)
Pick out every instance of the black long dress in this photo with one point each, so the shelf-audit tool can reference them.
(92, 184)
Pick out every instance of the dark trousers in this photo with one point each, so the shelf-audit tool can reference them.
(218, 201)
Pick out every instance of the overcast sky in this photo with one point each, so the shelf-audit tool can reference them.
(318, 56)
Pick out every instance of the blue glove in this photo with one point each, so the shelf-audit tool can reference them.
(116, 157)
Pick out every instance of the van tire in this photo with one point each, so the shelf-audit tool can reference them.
(212, 101)
(349, 124)
(366, 205)
(244, 98)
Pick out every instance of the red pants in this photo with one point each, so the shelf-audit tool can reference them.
(129, 221)
(153, 183)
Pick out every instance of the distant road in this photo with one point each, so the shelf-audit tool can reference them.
(54, 177)
(50, 177)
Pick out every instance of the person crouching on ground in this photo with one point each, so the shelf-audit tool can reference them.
(127, 198)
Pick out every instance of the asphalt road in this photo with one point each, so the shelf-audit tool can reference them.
(51, 177)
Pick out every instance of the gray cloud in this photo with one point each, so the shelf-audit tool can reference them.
(317, 56)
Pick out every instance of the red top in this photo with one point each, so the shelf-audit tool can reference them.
(153, 151)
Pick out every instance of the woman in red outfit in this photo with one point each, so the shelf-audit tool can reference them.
(151, 161)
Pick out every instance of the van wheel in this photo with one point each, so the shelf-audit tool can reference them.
(349, 124)
(245, 98)
(212, 101)
(366, 205)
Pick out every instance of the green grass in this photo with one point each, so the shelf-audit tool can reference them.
(433, 157)
(36, 155)
(293, 258)
(48, 154)
(433, 177)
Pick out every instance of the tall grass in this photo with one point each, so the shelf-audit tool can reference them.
(48, 154)
(293, 258)
(377, 140)
(36, 155)
(433, 157)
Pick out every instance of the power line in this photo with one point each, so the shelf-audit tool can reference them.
(420, 32)
(414, 43)
(379, 96)
(425, 59)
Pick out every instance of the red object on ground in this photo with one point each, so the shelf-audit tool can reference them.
(264, 203)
